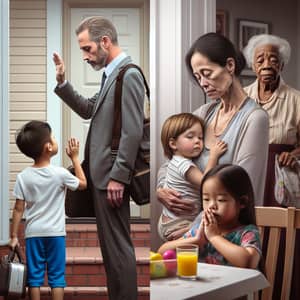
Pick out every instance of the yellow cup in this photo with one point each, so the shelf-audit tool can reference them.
(187, 259)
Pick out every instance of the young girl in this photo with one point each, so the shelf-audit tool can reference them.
(227, 233)
(182, 141)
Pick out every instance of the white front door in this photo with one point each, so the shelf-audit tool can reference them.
(87, 81)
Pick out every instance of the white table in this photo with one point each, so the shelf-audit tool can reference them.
(214, 282)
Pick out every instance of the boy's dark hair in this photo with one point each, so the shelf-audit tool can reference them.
(174, 126)
(238, 184)
(32, 137)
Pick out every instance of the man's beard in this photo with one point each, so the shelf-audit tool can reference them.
(100, 61)
(96, 67)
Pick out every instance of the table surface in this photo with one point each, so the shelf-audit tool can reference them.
(213, 282)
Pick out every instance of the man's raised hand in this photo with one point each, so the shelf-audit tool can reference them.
(60, 68)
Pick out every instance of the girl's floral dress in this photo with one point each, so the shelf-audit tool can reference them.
(244, 236)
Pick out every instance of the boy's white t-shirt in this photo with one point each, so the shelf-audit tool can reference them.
(43, 190)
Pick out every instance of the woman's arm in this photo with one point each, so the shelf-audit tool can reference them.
(252, 151)
(289, 159)
(170, 198)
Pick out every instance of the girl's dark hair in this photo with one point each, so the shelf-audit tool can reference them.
(217, 48)
(32, 137)
(238, 184)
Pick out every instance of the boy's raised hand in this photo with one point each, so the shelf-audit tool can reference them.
(73, 148)
(73, 152)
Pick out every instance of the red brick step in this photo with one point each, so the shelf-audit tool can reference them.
(85, 274)
(85, 235)
(85, 267)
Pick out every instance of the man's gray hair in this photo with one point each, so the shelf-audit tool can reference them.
(98, 27)
(283, 46)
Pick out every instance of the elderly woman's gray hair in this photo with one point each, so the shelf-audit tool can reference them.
(283, 46)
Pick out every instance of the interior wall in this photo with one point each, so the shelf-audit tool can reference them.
(283, 20)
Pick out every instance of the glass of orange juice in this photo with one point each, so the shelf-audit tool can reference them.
(187, 259)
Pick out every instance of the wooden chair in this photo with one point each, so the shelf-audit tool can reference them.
(297, 219)
(277, 219)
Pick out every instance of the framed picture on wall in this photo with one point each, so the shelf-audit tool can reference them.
(247, 28)
(221, 22)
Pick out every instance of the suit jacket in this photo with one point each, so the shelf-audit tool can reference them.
(100, 108)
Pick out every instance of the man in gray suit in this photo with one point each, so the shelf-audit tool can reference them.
(97, 38)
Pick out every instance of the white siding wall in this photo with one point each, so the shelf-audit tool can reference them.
(27, 73)
(4, 63)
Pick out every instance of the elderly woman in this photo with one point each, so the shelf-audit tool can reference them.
(267, 55)
(232, 116)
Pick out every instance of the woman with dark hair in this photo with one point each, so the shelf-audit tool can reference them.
(226, 232)
(231, 116)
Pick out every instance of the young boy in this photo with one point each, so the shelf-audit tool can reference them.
(40, 191)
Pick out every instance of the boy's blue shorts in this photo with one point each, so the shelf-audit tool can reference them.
(42, 253)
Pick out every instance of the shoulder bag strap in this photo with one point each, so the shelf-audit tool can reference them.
(116, 133)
